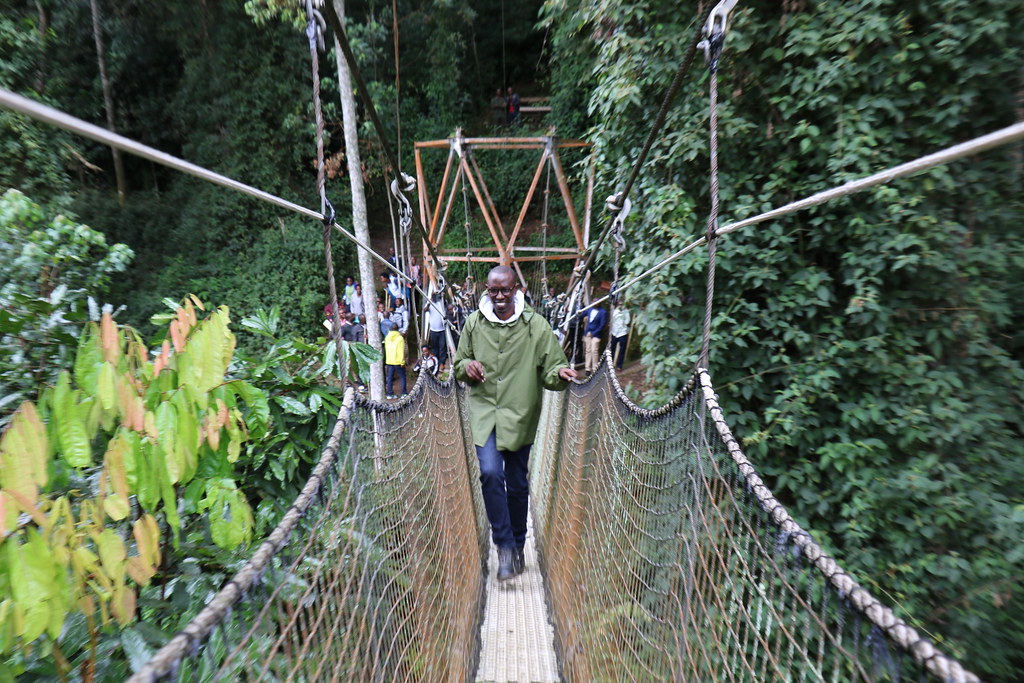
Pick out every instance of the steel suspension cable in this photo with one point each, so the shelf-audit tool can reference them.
(1003, 136)
(659, 121)
(398, 84)
(371, 110)
(715, 44)
(46, 114)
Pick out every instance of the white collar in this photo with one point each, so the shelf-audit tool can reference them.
(487, 309)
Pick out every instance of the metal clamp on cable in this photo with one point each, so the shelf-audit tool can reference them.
(404, 207)
(316, 26)
(329, 213)
(613, 204)
(714, 33)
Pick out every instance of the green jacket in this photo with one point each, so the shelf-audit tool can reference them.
(519, 358)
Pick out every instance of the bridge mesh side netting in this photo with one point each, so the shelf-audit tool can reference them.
(667, 559)
(376, 572)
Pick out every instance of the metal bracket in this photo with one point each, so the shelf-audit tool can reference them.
(714, 33)
(316, 25)
(404, 207)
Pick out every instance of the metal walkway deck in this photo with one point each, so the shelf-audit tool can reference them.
(517, 639)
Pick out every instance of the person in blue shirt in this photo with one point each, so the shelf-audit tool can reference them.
(596, 319)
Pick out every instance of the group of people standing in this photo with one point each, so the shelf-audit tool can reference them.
(505, 108)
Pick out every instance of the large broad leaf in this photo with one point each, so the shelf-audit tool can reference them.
(107, 387)
(147, 474)
(231, 519)
(36, 584)
(71, 430)
(364, 356)
(112, 554)
(263, 322)
(293, 406)
(167, 426)
(136, 648)
(87, 361)
(255, 399)
(23, 453)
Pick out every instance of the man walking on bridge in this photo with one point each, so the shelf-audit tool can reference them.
(507, 352)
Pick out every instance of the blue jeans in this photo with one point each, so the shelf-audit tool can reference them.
(619, 350)
(391, 370)
(439, 347)
(506, 487)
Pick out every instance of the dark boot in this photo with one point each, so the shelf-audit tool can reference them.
(505, 571)
(518, 561)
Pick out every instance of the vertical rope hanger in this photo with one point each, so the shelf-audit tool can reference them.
(398, 87)
(712, 45)
(544, 233)
(315, 27)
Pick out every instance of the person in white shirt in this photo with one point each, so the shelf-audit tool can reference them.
(434, 313)
(355, 305)
(400, 316)
(619, 333)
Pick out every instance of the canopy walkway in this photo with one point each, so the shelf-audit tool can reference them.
(664, 555)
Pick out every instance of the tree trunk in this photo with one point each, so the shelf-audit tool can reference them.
(108, 99)
(359, 223)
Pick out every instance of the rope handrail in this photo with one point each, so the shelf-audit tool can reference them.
(906, 636)
(166, 659)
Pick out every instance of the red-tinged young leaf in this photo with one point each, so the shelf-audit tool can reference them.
(177, 336)
(110, 339)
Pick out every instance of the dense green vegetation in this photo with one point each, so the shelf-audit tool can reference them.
(867, 351)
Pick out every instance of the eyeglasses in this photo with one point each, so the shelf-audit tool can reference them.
(500, 291)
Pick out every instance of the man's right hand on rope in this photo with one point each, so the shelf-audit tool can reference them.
(475, 370)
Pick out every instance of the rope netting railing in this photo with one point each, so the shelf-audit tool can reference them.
(376, 572)
(667, 558)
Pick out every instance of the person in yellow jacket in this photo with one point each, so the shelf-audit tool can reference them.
(394, 358)
(507, 354)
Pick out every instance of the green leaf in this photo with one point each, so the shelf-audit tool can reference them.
(88, 360)
(106, 387)
(71, 431)
(231, 519)
(136, 648)
(293, 406)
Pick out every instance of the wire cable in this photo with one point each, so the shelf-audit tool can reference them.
(1003, 136)
(659, 121)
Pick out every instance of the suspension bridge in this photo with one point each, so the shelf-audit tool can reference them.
(656, 550)
(663, 554)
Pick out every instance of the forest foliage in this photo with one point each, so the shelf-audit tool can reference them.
(868, 352)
